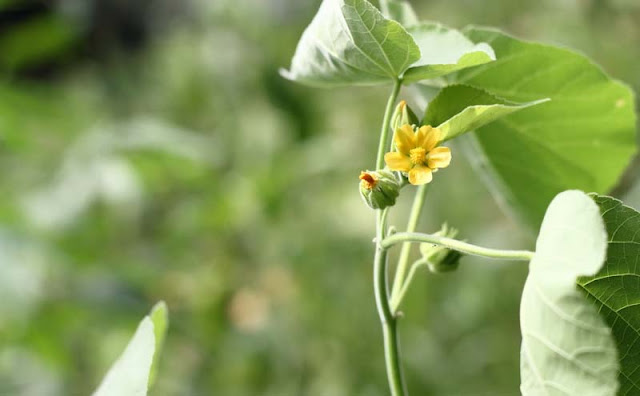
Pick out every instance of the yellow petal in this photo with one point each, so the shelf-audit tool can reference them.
(405, 139)
(428, 137)
(397, 161)
(420, 175)
(423, 131)
(439, 157)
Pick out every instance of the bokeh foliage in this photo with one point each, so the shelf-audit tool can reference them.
(153, 152)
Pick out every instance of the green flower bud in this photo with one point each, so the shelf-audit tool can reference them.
(448, 263)
(439, 258)
(379, 189)
(403, 115)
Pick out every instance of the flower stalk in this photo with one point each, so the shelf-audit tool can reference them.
(384, 131)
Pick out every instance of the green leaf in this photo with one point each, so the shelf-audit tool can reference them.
(615, 289)
(350, 42)
(160, 317)
(130, 374)
(399, 10)
(460, 108)
(583, 138)
(444, 51)
(567, 349)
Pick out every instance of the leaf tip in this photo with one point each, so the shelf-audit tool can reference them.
(160, 307)
(286, 74)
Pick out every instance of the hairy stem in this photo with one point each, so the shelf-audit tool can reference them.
(403, 261)
(384, 131)
(454, 244)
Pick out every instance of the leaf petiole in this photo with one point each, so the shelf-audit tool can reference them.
(454, 244)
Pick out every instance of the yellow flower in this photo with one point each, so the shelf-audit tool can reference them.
(417, 153)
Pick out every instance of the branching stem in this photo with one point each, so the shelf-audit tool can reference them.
(403, 261)
(396, 299)
(386, 302)
(380, 282)
(455, 244)
(387, 319)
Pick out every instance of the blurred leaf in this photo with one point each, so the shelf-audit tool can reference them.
(583, 138)
(399, 10)
(160, 317)
(36, 40)
(48, 109)
(444, 51)
(460, 108)
(566, 346)
(131, 373)
(350, 42)
(615, 289)
(95, 169)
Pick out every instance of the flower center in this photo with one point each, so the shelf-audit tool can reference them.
(418, 155)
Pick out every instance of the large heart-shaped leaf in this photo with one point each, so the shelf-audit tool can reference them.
(460, 108)
(567, 349)
(350, 42)
(131, 374)
(444, 51)
(583, 138)
(615, 289)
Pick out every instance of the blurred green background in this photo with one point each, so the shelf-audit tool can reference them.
(150, 150)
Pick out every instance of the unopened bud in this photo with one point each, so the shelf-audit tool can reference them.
(439, 258)
(403, 115)
(379, 189)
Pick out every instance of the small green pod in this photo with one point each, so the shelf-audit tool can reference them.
(440, 259)
(447, 261)
(379, 189)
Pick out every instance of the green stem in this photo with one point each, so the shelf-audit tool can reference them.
(454, 244)
(396, 300)
(380, 283)
(387, 319)
(403, 261)
(384, 132)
